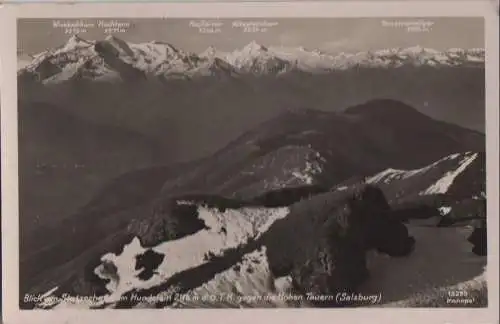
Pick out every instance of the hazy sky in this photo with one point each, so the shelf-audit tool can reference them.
(326, 34)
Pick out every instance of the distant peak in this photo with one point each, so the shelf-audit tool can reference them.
(115, 40)
(456, 50)
(157, 42)
(112, 38)
(415, 49)
(166, 44)
(253, 46)
(418, 50)
(73, 42)
(476, 50)
(119, 45)
(210, 51)
(76, 39)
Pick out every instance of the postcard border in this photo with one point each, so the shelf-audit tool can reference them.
(8, 96)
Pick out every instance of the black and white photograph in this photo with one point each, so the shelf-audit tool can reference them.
(252, 163)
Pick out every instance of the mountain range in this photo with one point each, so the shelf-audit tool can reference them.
(156, 89)
(192, 227)
(113, 58)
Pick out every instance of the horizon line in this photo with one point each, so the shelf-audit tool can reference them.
(92, 41)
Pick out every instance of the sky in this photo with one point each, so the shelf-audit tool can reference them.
(332, 35)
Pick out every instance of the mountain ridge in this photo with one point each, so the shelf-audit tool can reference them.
(252, 58)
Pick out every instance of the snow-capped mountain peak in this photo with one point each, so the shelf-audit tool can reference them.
(75, 42)
(120, 45)
(211, 51)
(254, 48)
(456, 50)
(414, 50)
(476, 50)
(258, 59)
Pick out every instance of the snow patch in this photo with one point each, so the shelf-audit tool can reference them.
(185, 202)
(240, 226)
(443, 184)
(311, 169)
(442, 261)
(444, 210)
(295, 165)
(283, 284)
(390, 174)
(245, 284)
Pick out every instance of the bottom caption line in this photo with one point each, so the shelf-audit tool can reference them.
(212, 298)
